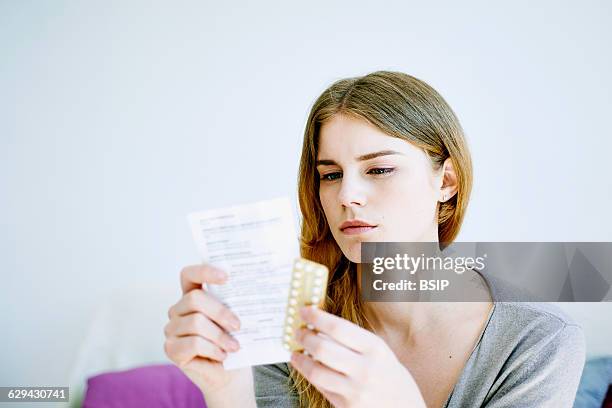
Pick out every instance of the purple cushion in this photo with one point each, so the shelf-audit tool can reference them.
(152, 386)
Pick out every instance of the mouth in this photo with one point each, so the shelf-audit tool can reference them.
(355, 227)
(357, 230)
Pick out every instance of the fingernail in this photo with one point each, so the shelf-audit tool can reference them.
(234, 323)
(233, 345)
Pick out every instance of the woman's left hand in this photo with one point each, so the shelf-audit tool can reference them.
(352, 367)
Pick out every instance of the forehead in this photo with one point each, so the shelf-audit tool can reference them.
(346, 136)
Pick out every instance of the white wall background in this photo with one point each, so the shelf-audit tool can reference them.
(118, 118)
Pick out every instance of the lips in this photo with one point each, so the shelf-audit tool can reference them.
(356, 227)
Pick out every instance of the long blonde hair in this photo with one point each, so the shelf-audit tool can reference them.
(401, 106)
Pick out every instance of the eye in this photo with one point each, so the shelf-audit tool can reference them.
(330, 176)
(381, 170)
(376, 171)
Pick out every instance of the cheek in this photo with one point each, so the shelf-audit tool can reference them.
(408, 200)
(403, 189)
(327, 202)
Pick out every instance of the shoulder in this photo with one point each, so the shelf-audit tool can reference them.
(543, 311)
(522, 325)
(532, 354)
(538, 347)
(538, 318)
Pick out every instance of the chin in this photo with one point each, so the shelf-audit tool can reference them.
(354, 254)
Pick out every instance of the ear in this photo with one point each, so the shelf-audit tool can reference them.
(449, 185)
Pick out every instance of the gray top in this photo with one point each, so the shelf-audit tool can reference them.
(528, 355)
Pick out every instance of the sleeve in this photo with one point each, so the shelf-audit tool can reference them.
(547, 375)
(273, 386)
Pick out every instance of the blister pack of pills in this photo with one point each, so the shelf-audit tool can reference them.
(308, 287)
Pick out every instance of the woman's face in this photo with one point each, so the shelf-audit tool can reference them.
(384, 181)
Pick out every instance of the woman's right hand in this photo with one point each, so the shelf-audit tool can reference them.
(198, 333)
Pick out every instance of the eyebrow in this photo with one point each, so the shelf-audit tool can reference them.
(368, 156)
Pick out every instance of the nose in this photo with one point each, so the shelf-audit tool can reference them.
(352, 192)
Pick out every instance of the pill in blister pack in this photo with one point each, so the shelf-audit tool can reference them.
(308, 287)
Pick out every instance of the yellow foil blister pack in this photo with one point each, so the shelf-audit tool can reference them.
(308, 287)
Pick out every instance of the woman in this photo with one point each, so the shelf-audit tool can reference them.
(384, 159)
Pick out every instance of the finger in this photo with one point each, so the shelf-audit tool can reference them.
(203, 302)
(327, 351)
(322, 377)
(196, 324)
(339, 329)
(193, 276)
(181, 350)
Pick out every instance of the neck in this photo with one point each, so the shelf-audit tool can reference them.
(413, 322)
(407, 321)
